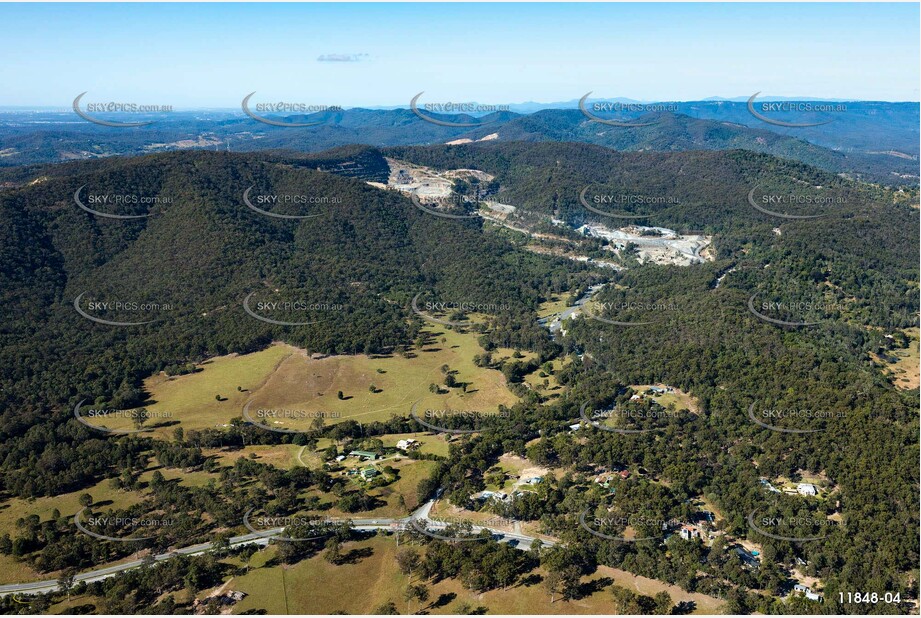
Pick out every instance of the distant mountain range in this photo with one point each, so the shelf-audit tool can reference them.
(871, 141)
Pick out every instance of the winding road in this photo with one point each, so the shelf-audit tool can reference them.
(263, 538)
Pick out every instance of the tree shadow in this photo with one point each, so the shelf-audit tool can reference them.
(684, 607)
(589, 588)
(531, 580)
(354, 555)
(443, 600)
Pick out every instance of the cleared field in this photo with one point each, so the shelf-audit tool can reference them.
(905, 371)
(678, 398)
(12, 509)
(191, 400)
(282, 456)
(553, 389)
(555, 304)
(315, 587)
(297, 388)
(433, 444)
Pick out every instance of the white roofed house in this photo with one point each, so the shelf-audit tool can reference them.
(807, 592)
(407, 445)
(807, 489)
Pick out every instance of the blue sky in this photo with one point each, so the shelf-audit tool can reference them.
(211, 55)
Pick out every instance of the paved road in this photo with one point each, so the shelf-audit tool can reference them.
(262, 538)
(555, 321)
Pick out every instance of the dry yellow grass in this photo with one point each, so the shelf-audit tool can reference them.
(286, 379)
(315, 586)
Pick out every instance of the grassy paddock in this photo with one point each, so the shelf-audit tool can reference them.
(286, 378)
(314, 586)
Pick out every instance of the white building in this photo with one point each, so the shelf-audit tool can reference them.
(689, 532)
(807, 489)
(408, 444)
(807, 592)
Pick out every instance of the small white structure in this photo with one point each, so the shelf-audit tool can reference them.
(340, 457)
(689, 532)
(807, 489)
(408, 444)
(807, 592)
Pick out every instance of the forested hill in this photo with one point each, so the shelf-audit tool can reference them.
(671, 132)
(862, 245)
(189, 265)
(852, 271)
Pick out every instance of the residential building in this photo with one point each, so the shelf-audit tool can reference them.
(689, 532)
(364, 455)
(408, 444)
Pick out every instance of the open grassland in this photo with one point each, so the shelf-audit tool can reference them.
(552, 389)
(555, 304)
(315, 586)
(12, 509)
(297, 387)
(430, 444)
(191, 400)
(905, 371)
(282, 456)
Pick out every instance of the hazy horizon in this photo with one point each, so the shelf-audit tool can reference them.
(208, 56)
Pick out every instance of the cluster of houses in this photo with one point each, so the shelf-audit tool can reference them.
(604, 479)
(369, 472)
(652, 391)
(501, 496)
